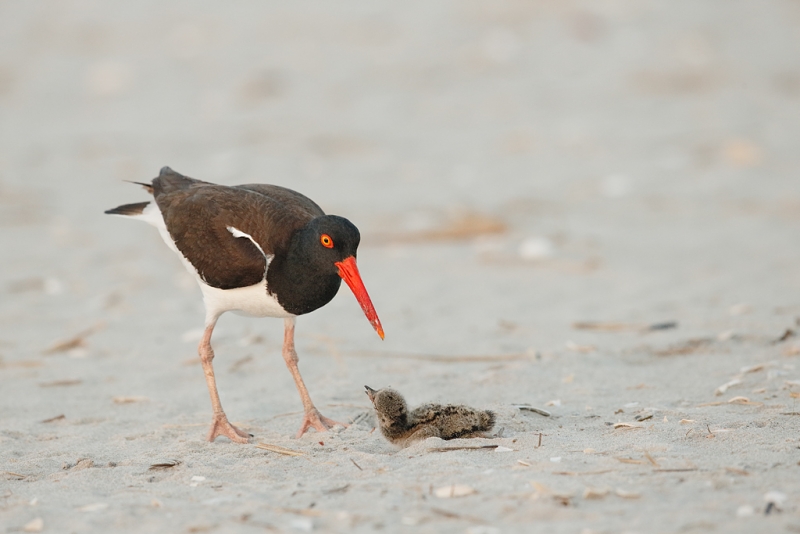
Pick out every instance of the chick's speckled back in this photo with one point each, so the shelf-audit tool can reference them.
(445, 421)
(454, 421)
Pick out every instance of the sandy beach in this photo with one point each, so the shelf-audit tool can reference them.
(583, 216)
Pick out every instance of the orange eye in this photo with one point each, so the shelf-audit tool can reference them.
(326, 241)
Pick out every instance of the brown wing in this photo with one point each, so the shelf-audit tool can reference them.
(198, 216)
(286, 197)
(169, 181)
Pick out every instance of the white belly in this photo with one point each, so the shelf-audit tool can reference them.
(253, 300)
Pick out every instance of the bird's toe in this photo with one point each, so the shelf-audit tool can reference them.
(313, 418)
(220, 426)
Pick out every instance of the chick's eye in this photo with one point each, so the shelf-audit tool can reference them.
(326, 241)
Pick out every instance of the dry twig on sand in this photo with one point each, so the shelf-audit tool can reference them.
(279, 449)
(598, 326)
(54, 419)
(478, 358)
(464, 448)
(689, 346)
(164, 465)
(77, 341)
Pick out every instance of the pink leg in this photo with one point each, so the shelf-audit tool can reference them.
(312, 417)
(220, 425)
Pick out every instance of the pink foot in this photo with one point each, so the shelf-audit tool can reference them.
(221, 427)
(318, 421)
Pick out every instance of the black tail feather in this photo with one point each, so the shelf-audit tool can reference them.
(128, 209)
(147, 187)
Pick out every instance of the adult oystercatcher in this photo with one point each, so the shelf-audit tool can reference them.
(402, 426)
(259, 250)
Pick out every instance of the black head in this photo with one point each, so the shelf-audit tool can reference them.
(325, 241)
(321, 254)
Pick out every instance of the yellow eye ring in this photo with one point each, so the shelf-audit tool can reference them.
(326, 241)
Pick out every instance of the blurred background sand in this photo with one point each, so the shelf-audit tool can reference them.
(515, 168)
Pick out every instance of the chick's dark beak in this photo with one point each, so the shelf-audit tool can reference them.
(370, 393)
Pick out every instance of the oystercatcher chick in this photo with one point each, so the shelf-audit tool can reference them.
(258, 250)
(403, 427)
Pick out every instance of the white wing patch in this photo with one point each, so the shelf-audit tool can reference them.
(235, 232)
(238, 233)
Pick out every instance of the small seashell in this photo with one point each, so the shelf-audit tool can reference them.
(724, 387)
(595, 493)
(571, 345)
(454, 490)
(94, 507)
(743, 153)
(739, 309)
(34, 525)
(129, 400)
(792, 350)
(726, 335)
(775, 497)
(536, 248)
(305, 524)
(745, 511)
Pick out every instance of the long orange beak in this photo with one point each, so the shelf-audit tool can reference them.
(348, 270)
